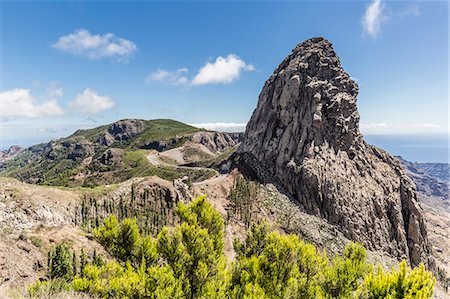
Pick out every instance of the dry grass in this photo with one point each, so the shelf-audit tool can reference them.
(23, 294)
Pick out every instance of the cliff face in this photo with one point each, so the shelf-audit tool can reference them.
(304, 135)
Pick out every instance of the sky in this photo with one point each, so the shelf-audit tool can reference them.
(71, 65)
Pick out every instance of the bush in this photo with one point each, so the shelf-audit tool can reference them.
(402, 283)
(188, 262)
(60, 262)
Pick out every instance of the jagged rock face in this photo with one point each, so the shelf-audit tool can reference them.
(216, 141)
(112, 156)
(304, 135)
(122, 130)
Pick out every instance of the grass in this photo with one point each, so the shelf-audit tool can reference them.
(36, 241)
(53, 289)
(162, 129)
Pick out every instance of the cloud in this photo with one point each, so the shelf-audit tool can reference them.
(91, 102)
(390, 128)
(373, 17)
(377, 13)
(46, 130)
(94, 46)
(222, 126)
(21, 103)
(411, 10)
(222, 70)
(170, 77)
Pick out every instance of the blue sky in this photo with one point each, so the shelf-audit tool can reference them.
(70, 65)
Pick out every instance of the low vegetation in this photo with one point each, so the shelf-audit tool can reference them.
(188, 261)
(242, 200)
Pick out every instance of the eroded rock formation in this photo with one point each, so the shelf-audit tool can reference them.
(304, 135)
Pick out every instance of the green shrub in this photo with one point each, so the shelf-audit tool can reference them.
(188, 261)
(60, 262)
(404, 283)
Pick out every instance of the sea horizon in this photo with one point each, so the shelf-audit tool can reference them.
(422, 148)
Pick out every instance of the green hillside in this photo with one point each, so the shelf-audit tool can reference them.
(105, 154)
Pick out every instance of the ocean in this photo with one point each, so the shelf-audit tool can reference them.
(432, 148)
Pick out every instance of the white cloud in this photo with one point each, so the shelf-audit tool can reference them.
(95, 46)
(411, 10)
(222, 70)
(373, 17)
(172, 78)
(222, 126)
(91, 102)
(401, 128)
(46, 130)
(377, 13)
(21, 103)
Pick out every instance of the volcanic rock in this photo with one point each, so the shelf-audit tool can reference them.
(304, 136)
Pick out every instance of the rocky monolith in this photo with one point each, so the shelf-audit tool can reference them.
(304, 135)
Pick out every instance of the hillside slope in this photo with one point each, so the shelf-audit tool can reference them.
(112, 153)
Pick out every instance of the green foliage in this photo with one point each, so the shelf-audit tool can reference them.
(272, 265)
(60, 262)
(403, 283)
(147, 249)
(153, 209)
(343, 274)
(113, 280)
(83, 261)
(242, 198)
(187, 261)
(194, 250)
(120, 239)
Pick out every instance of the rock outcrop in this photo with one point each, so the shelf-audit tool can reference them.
(216, 141)
(10, 153)
(304, 135)
(122, 130)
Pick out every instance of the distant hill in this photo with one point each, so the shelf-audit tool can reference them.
(10, 153)
(113, 153)
(431, 179)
